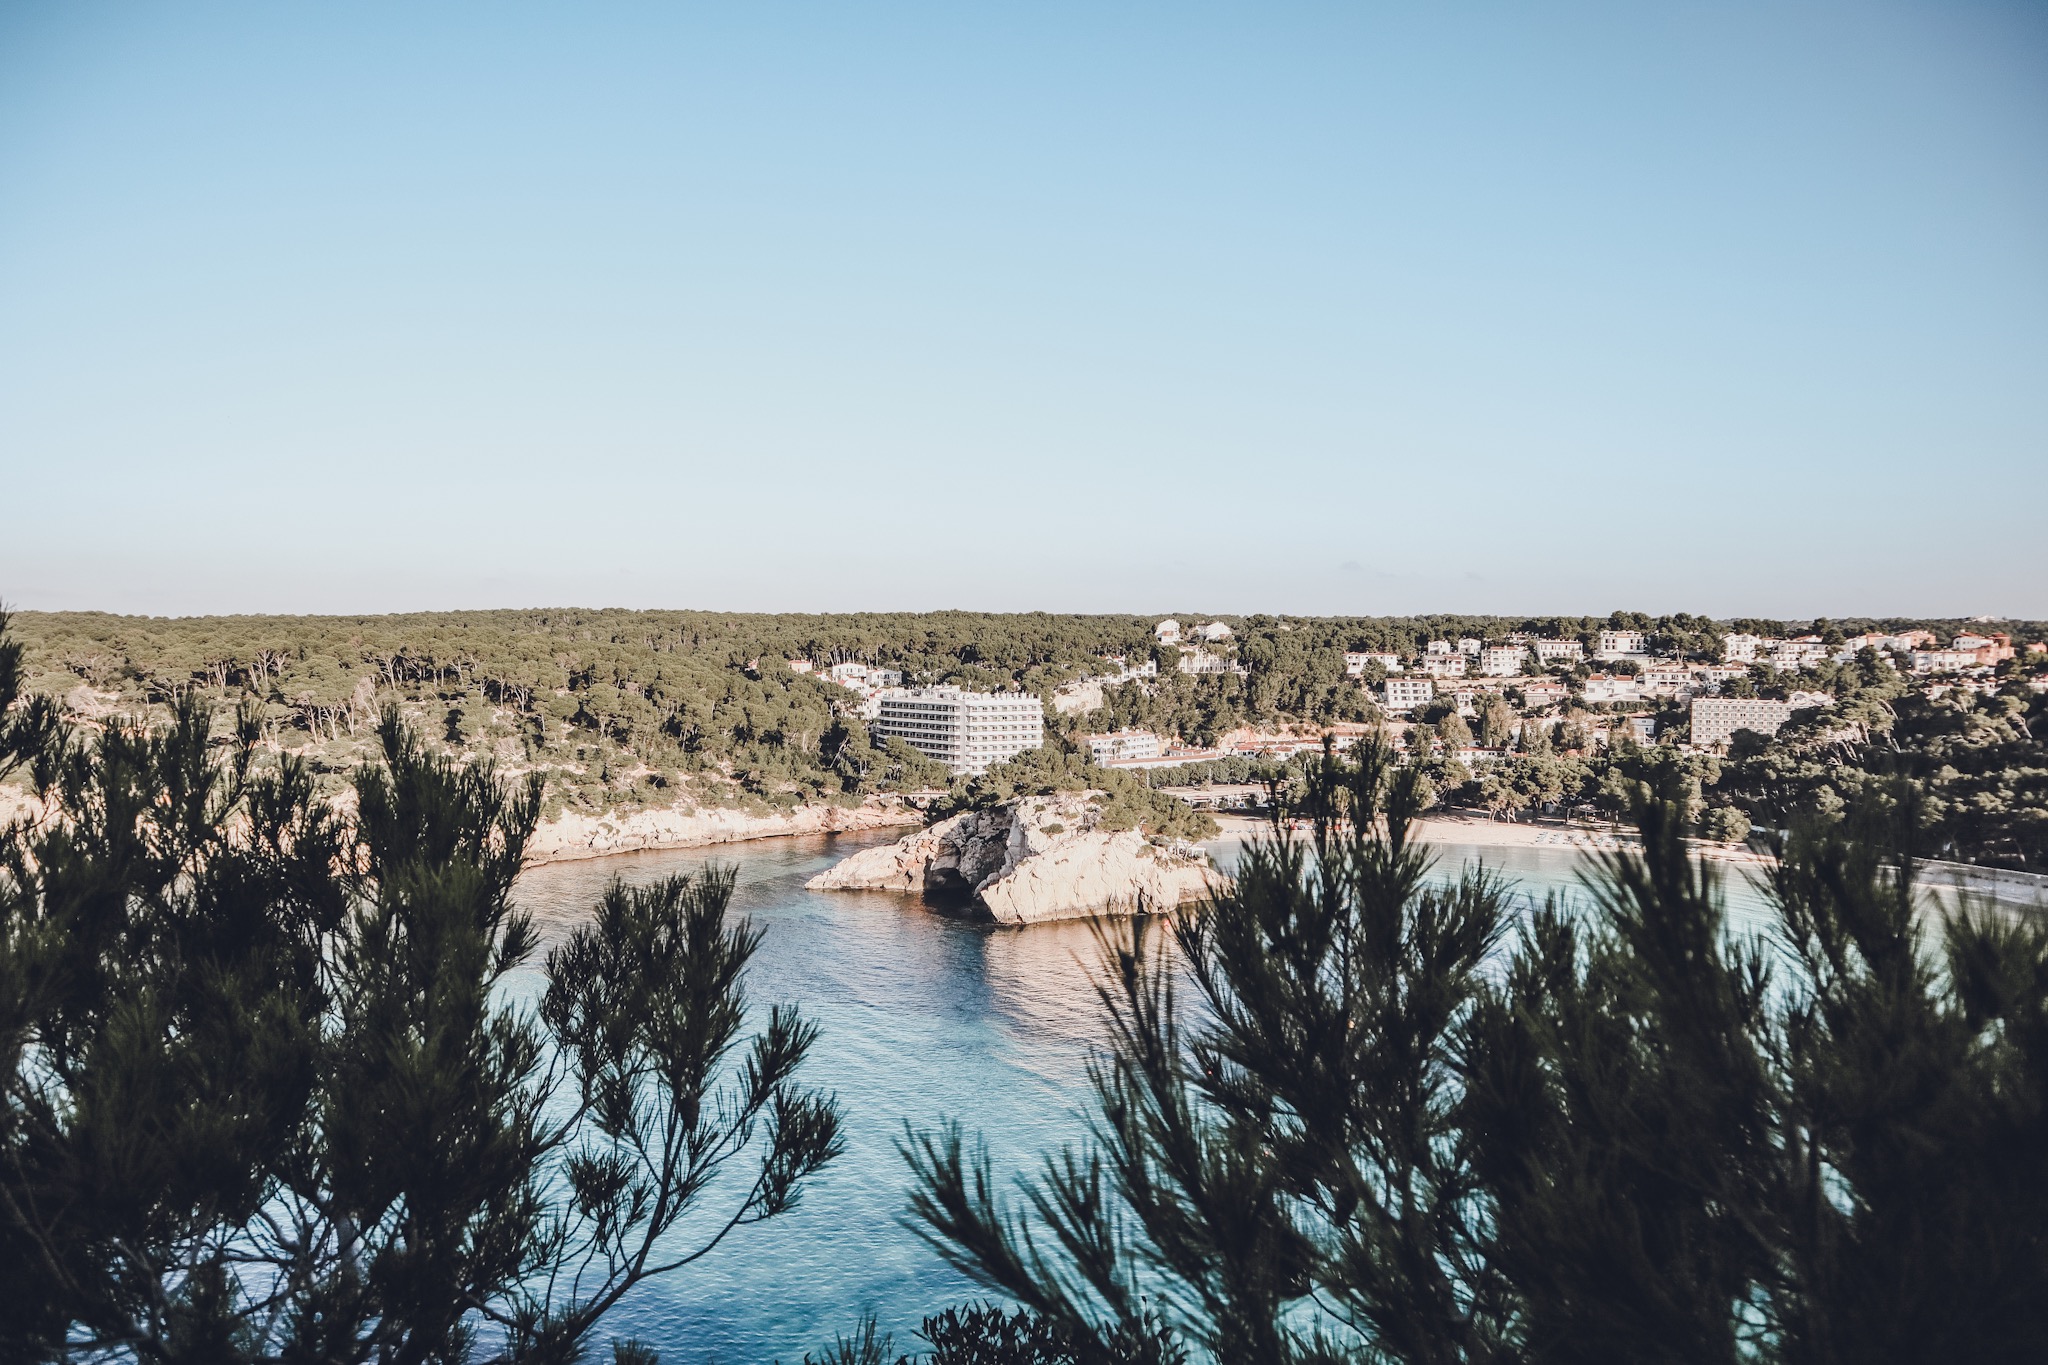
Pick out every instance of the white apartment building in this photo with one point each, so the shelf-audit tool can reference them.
(1470, 647)
(1405, 694)
(1611, 687)
(1167, 632)
(1501, 661)
(1666, 680)
(1551, 653)
(1444, 665)
(1793, 656)
(1620, 644)
(1439, 647)
(1717, 676)
(1200, 661)
(1123, 744)
(864, 675)
(1943, 660)
(1538, 692)
(966, 731)
(1716, 719)
(1744, 649)
(1356, 660)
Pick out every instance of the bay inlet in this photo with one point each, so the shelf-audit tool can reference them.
(923, 1017)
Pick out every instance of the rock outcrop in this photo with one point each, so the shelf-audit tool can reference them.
(1033, 859)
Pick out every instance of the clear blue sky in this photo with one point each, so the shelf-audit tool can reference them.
(1319, 308)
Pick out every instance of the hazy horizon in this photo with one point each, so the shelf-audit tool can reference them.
(1740, 310)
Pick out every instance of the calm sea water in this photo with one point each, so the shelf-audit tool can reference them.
(922, 1017)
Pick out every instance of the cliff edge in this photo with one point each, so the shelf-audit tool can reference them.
(1032, 859)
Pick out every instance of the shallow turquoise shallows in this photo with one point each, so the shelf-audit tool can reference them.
(923, 1017)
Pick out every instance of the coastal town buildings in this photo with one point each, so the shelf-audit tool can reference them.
(1716, 719)
(1620, 644)
(1501, 661)
(1405, 694)
(1199, 661)
(1714, 677)
(1798, 655)
(1167, 632)
(1444, 665)
(1666, 680)
(1215, 632)
(1558, 653)
(1355, 661)
(1122, 744)
(864, 675)
(966, 731)
(1541, 692)
(1612, 687)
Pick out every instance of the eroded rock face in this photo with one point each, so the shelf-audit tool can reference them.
(1033, 859)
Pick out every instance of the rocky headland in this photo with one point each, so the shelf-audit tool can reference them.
(1029, 860)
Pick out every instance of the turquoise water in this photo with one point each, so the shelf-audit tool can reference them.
(922, 1017)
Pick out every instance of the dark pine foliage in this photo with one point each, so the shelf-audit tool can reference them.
(1393, 1126)
(265, 1095)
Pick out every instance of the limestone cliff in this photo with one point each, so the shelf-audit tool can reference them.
(1032, 859)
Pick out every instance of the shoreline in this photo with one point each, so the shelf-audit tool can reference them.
(2024, 890)
(575, 837)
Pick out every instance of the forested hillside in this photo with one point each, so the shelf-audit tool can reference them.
(631, 708)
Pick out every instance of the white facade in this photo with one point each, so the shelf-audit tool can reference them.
(1543, 692)
(1355, 662)
(864, 675)
(1201, 661)
(1215, 632)
(1716, 719)
(1123, 744)
(1620, 644)
(966, 731)
(1552, 652)
(1501, 661)
(1167, 632)
(1607, 687)
(1666, 680)
(1717, 676)
(1470, 648)
(1943, 660)
(1744, 649)
(1444, 665)
(1405, 694)
(1793, 656)
(1438, 647)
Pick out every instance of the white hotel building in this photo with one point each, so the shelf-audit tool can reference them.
(966, 731)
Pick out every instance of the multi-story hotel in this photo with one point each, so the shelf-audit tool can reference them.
(1501, 661)
(1716, 719)
(966, 731)
(1123, 744)
(1405, 694)
(1620, 644)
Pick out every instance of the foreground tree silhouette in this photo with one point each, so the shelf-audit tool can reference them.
(1624, 1133)
(266, 1098)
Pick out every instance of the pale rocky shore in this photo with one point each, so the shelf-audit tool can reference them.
(575, 835)
(1027, 861)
